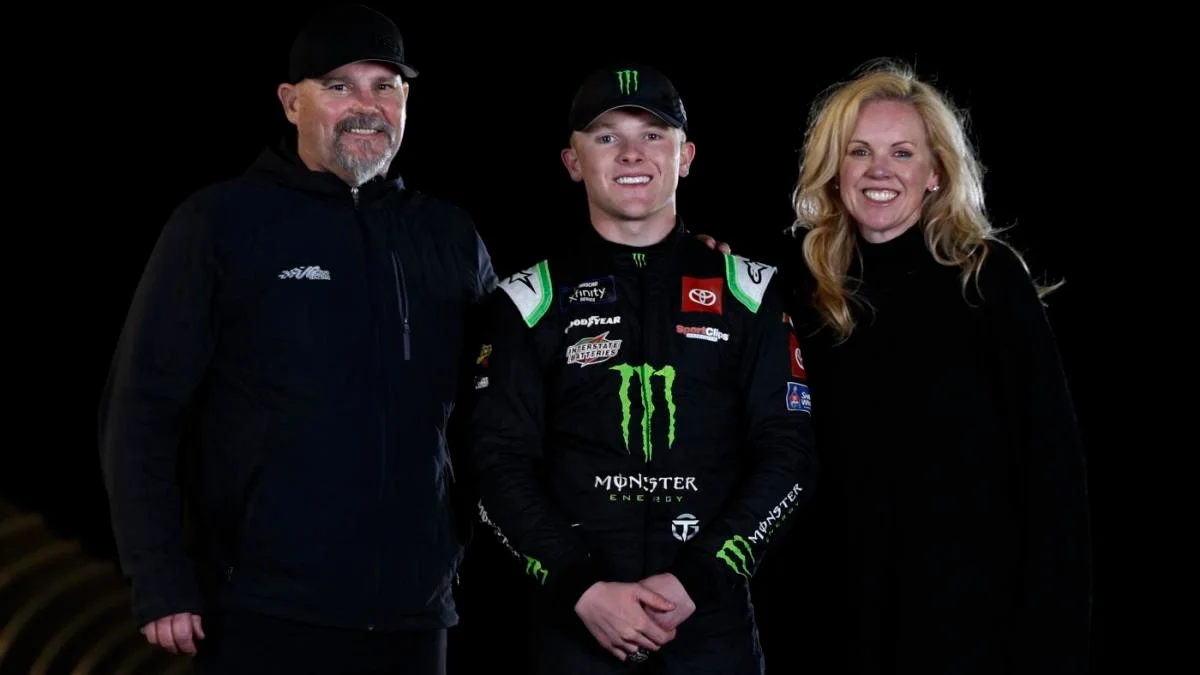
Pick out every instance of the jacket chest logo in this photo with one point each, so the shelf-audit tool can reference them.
(593, 320)
(600, 291)
(702, 295)
(592, 350)
(313, 272)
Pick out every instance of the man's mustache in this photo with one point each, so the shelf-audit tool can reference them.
(365, 122)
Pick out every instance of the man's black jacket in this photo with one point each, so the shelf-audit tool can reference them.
(302, 341)
(641, 410)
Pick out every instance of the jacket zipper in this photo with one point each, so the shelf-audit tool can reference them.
(645, 354)
(401, 299)
(376, 572)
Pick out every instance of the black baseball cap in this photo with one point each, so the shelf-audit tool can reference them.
(346, 33)
(630, 85)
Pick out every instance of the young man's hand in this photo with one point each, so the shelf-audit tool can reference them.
(667, 586)
(617, 615)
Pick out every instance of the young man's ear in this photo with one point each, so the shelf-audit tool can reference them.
(289, 97)
(571, 161)
(687, 153)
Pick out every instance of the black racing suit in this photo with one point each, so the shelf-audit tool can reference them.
(642, 410)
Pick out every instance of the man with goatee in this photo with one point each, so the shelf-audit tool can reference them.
(273, 429)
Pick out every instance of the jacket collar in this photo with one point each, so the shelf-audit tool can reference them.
(282, 166)
(591, 240)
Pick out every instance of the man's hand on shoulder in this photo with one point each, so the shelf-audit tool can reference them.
(714, 244)
(618, 616)
(176, 633)
(669, 587)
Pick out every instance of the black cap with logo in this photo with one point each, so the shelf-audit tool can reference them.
(343, 34)
(633, 85)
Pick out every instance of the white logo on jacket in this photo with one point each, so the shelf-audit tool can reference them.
(593, 321)
(309, 272)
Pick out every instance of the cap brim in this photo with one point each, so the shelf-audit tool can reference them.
(666, 117)
(406, 70)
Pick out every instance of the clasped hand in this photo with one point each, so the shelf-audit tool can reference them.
(626, 617)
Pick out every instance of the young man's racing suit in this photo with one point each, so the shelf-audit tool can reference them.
(642, 410)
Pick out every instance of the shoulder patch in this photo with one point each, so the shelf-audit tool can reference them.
(747, 280)
(530, 291)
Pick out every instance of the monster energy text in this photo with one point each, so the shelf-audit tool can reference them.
(627, 81)
(641, 488)
(646, 375)
(767, 526)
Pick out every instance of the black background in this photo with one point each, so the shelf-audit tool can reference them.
(161, 104)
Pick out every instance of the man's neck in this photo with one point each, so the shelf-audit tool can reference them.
(639, 233)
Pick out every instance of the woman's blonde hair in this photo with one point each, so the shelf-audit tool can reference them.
(956, 226)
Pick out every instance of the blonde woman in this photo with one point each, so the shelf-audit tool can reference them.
(955, 496)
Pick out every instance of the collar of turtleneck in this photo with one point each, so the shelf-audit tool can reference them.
(900, 256)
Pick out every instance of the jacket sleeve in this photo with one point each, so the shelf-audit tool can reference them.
(780, 466)
(485, 274)
(1054, 602)
(161, 355)
(507, 456)
(481, 280)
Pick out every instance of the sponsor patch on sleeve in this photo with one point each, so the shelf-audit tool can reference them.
(481, 367)
(798, 399)
(796, 358)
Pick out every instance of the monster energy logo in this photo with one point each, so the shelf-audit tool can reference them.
(646, 375)
(533, 567)
(639, 259)
(627, 81)
(736, 553)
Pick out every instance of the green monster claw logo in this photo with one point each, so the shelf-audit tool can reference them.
(735, 552)
(533, 567)
(627, 81)
(645, 374)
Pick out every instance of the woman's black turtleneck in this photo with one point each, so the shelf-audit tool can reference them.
(949, 532)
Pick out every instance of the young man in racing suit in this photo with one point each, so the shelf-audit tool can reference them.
(641, 433)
